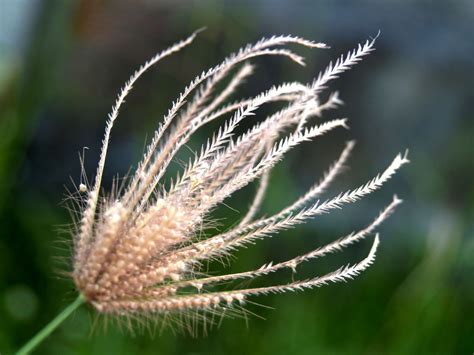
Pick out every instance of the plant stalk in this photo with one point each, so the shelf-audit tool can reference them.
(51, 326)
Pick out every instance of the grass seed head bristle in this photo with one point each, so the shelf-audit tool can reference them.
(140, 253)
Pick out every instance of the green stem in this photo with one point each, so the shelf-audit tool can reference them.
(51, 326)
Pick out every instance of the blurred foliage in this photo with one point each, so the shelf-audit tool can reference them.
(59, 75)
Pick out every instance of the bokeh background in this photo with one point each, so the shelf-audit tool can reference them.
(61, 65)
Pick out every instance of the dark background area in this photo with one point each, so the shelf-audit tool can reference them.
(61, 66)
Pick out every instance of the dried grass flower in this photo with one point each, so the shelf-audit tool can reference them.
(141, 252)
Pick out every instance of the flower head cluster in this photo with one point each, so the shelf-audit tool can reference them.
(142, 251)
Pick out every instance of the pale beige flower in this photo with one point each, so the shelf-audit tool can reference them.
(142, 251)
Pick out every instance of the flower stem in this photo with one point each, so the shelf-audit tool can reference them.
(51, 326)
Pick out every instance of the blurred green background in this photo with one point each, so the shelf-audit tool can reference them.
(61, 65)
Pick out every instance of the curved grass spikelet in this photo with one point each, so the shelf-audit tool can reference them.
(141, 252)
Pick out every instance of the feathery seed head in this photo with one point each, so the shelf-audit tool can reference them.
(141, 252)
